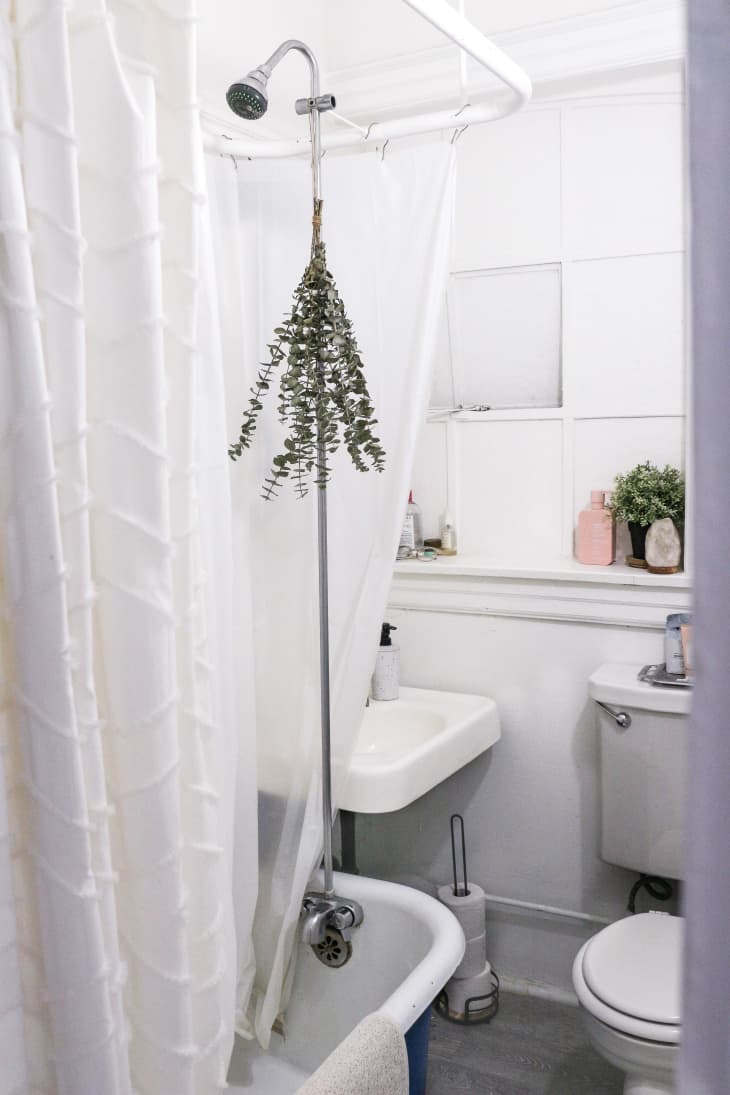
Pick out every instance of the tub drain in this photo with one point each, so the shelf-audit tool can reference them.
(334, 951)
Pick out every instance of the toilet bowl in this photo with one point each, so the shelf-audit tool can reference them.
(628, 980)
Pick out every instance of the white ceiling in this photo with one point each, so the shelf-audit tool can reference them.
(235, 36)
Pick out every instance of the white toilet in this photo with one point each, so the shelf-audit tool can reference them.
(628, 976)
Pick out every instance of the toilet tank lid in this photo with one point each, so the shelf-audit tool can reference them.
(616, 683)
(635, 966)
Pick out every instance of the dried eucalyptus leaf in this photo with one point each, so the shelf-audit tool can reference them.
(323, 398)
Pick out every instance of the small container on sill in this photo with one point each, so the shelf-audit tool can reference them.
(596, 534)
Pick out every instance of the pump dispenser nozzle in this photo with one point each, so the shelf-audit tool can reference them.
(387, 666)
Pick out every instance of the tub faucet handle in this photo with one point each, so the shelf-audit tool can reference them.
(320, 912)
(316, 914)
(347, 916)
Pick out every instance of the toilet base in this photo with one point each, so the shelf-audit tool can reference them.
(637, 1085)
(650, 1067)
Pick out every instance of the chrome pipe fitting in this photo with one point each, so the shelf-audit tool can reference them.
(320, 913)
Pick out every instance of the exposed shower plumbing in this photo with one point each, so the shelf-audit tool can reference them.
(326, 924)
(249, 98)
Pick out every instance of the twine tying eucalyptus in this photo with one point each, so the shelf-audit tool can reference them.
(323, 395)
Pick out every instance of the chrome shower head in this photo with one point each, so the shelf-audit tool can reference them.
(249, 97)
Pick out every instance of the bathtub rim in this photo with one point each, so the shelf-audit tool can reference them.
(415, 994)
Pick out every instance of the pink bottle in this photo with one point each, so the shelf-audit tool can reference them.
(596, 536)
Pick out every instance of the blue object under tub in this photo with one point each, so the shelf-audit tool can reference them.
(417, 1046)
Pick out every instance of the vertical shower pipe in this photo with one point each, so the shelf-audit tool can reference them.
(324, 627)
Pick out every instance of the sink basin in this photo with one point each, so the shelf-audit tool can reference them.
(406, 746)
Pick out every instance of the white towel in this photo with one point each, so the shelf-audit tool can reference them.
(371, 1060)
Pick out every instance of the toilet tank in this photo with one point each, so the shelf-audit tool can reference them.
(643, 771)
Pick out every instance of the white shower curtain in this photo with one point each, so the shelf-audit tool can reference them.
(117, 750)
(386, 227)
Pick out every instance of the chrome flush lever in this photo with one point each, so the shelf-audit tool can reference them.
(623, 718)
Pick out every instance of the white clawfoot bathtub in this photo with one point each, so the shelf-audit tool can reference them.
(403, 954)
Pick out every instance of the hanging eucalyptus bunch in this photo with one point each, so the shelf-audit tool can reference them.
(323, 398)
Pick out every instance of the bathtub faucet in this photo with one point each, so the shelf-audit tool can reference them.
(320, 913)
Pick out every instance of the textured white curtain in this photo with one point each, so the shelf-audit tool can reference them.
(386, 227)
(117, 753)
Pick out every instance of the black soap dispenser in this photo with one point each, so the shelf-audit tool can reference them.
(385, 683)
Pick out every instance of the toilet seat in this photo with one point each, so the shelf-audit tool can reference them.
(629, 976)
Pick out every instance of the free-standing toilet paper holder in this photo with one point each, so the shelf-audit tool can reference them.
(472, 994)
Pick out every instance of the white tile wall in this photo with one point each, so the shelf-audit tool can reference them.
(624, 336)
(508, 193)
(623, 178)
(511, 483)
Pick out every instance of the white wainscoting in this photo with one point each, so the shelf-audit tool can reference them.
(530, 639)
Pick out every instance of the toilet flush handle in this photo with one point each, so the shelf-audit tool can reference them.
(623, 718)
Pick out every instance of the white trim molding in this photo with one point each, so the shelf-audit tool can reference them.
(631, 36)
(614, 597)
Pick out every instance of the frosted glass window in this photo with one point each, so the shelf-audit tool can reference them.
(506, 337)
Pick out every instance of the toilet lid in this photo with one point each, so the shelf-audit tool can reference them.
(634, 966)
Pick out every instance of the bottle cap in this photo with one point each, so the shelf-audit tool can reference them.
(385, 631)
(410, 498)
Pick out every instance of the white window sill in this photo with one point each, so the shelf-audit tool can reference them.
(562, 590)
(560, 570)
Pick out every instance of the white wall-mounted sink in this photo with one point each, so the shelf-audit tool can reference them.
(406, 746)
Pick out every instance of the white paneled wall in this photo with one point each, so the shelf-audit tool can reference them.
(514, 472)
(429, 476)
(508, 193)
(605, 446)
(622, 178)
(624, 336)
(567, 290)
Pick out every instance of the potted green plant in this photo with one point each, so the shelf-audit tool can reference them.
(646, 494)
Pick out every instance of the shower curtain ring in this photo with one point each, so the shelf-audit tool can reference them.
(458, 132)
(382, 151)
(234, 161)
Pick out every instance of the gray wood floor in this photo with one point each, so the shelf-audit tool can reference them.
(532, 1047)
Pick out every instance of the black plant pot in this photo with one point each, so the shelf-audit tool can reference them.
(638, 539)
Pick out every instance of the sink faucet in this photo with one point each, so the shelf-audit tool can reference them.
(320, 913)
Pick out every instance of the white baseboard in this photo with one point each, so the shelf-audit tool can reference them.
(522, 987)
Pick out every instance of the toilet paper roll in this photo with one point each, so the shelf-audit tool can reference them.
(459, 991)
(469, 910)
(474, 958)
